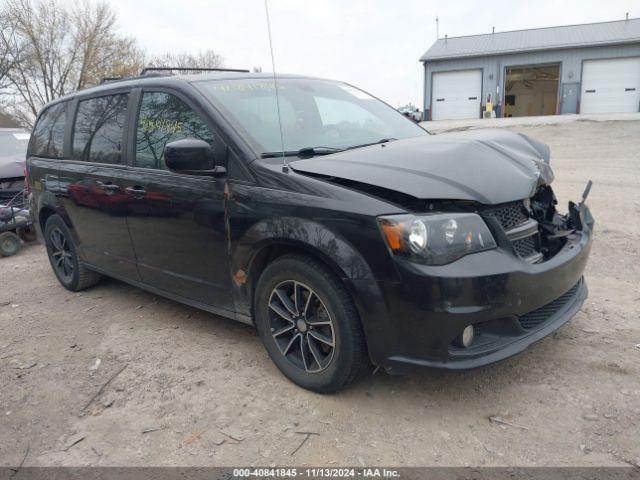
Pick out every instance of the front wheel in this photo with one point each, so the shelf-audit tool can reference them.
(63, 256)
(309, 325)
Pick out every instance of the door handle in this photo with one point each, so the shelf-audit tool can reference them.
(108, 187)
(136, 191)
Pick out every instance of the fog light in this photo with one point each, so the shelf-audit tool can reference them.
(465, 339)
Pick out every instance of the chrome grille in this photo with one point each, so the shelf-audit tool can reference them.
(537, 317)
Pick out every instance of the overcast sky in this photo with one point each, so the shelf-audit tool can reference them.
(374, 44)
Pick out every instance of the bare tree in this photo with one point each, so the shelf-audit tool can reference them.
(7, 61)
(205, 59)
(103, 53)
(53, 50)
(49, 48)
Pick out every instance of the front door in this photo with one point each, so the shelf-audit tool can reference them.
(177, 222)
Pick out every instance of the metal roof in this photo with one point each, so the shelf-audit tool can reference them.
(585, 35)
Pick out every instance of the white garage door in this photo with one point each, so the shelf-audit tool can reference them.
(610, 86)
(456, 94)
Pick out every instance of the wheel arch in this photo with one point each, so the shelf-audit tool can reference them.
(43, 215)
(279, 248)
(45, 211)
(273, 238)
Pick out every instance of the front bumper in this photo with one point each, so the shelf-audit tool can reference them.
(510, 303)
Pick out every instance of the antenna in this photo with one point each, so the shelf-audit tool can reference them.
(437, 28)
(285, 166)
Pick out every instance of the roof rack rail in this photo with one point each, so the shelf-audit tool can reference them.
(147, 70)
(111, 79)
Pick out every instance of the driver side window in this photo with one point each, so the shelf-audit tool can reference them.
(164, 118)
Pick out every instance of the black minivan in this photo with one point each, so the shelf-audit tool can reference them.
(346, 233)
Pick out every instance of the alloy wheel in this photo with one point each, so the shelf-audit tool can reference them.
(301, 326)
(61, 254)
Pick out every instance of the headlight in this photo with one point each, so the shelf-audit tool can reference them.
(436, 239)
(417, 237)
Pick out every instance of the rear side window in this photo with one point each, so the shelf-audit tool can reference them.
(165, 118)
(48, 135)
(98, 129)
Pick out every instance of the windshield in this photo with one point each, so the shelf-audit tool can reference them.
(315, 114)
(13, 144)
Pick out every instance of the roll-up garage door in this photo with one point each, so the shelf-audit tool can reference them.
(610, 86)
(456, 95)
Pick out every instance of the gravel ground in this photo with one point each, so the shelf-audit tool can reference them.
(447, 125)
(200, 390)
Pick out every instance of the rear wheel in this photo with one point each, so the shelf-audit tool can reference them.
(9, 244)
(66, 264)
(309, 325)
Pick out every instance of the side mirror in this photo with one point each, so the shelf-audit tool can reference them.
(191, 156)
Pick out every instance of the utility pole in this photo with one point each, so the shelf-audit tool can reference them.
(437, 28)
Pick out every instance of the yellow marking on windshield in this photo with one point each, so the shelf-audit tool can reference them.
(160, 124)
(245, 87)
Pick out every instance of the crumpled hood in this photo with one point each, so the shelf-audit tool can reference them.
(487, 166)
(12, 166)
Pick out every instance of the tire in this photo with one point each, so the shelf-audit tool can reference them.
(9, 244)
(298, 337)
(67, 266)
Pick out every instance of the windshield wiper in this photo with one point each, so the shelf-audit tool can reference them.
(309, 152)
(306, 152)
(382, 140)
